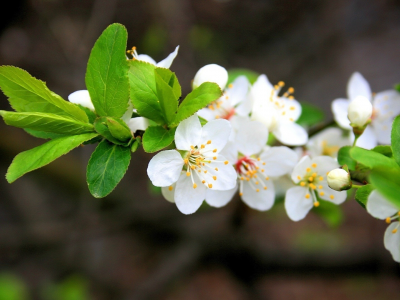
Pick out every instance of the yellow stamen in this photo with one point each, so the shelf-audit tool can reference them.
(298, 177)
(214, 158)
(314, 175)
(170, 187)
(321, 178)
(240, 194)
(215, 150)
(216, 169)
(291, 90)
(310, 179)
(192, 147)
(388, 220)
(186, 161)
(307, 196)
(257, 190)
(215, 177)
(332, 197)
(202, 146)
(394, 230)
(230, 85)
(281, 83)
(226, 162)
(316, 203)
(322, 193)
(210, 185)
(302, 183)
(194, 185)
(209, 142)
(314, 165)
(188, 174)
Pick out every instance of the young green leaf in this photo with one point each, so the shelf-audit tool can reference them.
(156, 138)
(171, 79)
(43, 134)
(143, 91)
(371, 159)
(395, 139)
(28, 94)
(44, 154)
(167, 99)
(384, 149)
(106, 167)
(119, 129)
(107, 73)
(45, 122)
(196, 100)
(363, 193)
(344, 158)
(387, 182)
(101, 125)
(310, 115)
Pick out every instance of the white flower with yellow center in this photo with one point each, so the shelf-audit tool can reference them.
(385, 106)
(381, 208)
(277, 112)
(327, 142)
(310, 176)
(204, 168)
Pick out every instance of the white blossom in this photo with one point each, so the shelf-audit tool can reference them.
(379, 207)
(211, 73)
(385, 106)
(310, 177)
(339, 180)
(165, 63)
(204, 168)
(81, 97)
(277, 113)
(359, 111)
(327, 142)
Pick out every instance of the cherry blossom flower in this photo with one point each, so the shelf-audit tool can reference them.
(277, 113)
(165, 63)
(327, 142)
(198, 156)
(385, 106)
(310, 177)
(379, 207)
(211, 73)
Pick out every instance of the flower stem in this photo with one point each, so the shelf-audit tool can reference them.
(356, 186)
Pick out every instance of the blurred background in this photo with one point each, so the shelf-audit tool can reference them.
(57, 242)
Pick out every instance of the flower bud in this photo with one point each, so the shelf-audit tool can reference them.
(211, 73)
(339, 180)
(359, 111)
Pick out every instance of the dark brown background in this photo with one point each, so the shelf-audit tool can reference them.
(134, 244)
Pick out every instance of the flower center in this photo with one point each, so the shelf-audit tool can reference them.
(280, 106)
(329, 150)
(249, 171)
(396, 218)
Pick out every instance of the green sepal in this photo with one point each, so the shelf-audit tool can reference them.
(45, 122)
(42, 155)
(136, 143)
(106, 167)
(119, 129)
(156, 138)
(107, 72)
(363, 193)
(101, 125)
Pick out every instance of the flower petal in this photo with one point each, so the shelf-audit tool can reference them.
(146, 58)
(392, 241)
(358, 86)
(220, 198)
(382, 131)
(81, 97)
(367, 140)
(187, 198)
(379, 207)
(224, 178)
(188, 133)
(251, 137)
(167, 62)
(138, 123)
(278, 160)
(238, 91)
(165, 167)
(331, 195)
(290, 133)
(339, 110)
(261, 200)
(296, 204)
(324, 164)
(216, 131)
(169, 192)
(327, 142)
(230, 152)
(300, 169)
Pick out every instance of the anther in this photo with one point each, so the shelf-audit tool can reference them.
(314, 165)
(202, 146)
(215, 150)
(314, 175)
(394, 230)
(322, 193)
(186, 161)
(320, 186)
(388, 220)
(209, 142)
(230, 85)
(281, 83)
(307, 196)
(263, 163)
(291, 90)
(194, 185)
(302, 183)
(308, 169)
(316, 203)
(310, 179)
(265, 187)
(192, 147)
(321, 178)
(240, 194)
(257, 182)
(214, 158)
(216, 169)
(298, 177)
(257, 190)
(332, 197)
(226, 162)
(188, 174)
(215, 177)
(210, 185)
(170, 187)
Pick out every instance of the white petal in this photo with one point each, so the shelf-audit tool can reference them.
(339, 110)
(169, 193)
(165, 167)
(367, 140)
(331, 195)
(216, 131)
(324, 164)
(261, 89)
(382, 131)
(225, 176)
(358, 86)
(187, 198)
(282, 184)
(386, 105)
(279, 161)
(220, 198)
(81, 97)
(138, 123)
(379, 207)
(167, 62)
(244, 107)
(239, 90)
(327, 142)
(211, 73)
(290, 133)
(230, 152)
(292, 109)
(296, 204)
(188, 133)
(261, 200)
(251, 137)
(300, 169)
(392, 241)
(207, 114)
(146, 58)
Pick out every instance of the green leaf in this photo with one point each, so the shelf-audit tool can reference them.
(344, 158)
(371, 159)
(332, 214)
(106, 167)
(397, 87)
(136, 144)
(170, 78)
(363, 193)
(143, 91)
(310, 115)
(12, 288)
(43, 134)
(101, 125)
(42, 155)
(235, 73)
(196, 100)
(156, 138)
(45, 122)
(107, 73)
(384, 149)
(395, 139)
(387, 182)
(168, 101)
(119, 129)
(202, 121)
(28, 94)
(90, 114)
